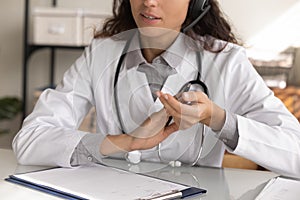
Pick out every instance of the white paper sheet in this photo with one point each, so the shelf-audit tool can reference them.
(100, 182)
(280, 189)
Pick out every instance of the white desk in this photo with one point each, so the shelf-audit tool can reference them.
(220, 183)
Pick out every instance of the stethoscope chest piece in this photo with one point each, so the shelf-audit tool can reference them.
(133, 157)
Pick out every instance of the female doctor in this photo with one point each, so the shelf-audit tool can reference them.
(177, 89)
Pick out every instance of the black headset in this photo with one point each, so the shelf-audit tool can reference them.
(196, 7)
(197, 10)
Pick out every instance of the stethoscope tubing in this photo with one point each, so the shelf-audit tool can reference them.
(116, 99)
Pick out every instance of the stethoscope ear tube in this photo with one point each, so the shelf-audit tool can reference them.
(116, 78)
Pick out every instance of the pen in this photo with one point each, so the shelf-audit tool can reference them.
(169, 195)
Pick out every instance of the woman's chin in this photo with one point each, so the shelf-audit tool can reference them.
(152, 32)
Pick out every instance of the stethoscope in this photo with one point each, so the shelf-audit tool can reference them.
(193, 85)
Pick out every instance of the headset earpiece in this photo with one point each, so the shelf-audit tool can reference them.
(196, 8)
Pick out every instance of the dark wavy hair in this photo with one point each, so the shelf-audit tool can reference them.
(212, 24)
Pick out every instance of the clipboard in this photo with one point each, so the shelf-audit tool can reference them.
(102, 182)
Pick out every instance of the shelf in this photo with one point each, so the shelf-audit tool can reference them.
(29, 49)
(34, 47)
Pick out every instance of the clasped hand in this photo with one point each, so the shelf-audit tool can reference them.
(154, 130)
(201, 109)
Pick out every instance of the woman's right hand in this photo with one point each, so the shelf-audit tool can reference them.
(148, 135)
(152, 131)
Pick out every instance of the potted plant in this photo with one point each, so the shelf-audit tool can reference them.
(9, 108)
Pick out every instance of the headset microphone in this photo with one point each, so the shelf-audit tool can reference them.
(203, 10)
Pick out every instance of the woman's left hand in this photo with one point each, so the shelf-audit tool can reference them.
(201, 109)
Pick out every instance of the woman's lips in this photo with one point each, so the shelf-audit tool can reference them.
(150, 19)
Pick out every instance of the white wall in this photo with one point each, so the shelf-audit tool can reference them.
(10, 46)
(10, 59)
(267, 28)
(254, 16)
(250, 19)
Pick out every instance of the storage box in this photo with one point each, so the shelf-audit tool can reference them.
(66, 27)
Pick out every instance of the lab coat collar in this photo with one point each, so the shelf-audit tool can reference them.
(134, 55)
(136, 79)
(174, 55)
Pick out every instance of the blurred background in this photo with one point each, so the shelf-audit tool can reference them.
(270, 31)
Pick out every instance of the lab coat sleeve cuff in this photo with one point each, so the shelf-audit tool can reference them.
(229, 133)
(87, 150)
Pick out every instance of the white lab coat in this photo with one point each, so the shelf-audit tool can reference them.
(268, 134)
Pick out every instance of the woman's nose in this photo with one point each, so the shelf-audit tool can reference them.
(151, 3)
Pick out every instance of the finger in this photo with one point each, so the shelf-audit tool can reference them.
(162, 135)
(186, 121)
(160, 95)
(194, 96)
(177, 109)
(171, 102)
(170, 107)
(195, 110)
(174, 107)
(170, 129)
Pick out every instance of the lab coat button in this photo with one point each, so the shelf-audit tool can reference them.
(225, 140)
(157, 61)
(90, 158)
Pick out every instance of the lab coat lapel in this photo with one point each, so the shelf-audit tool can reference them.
(135, 98)
(172, 85)
(174, 82)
